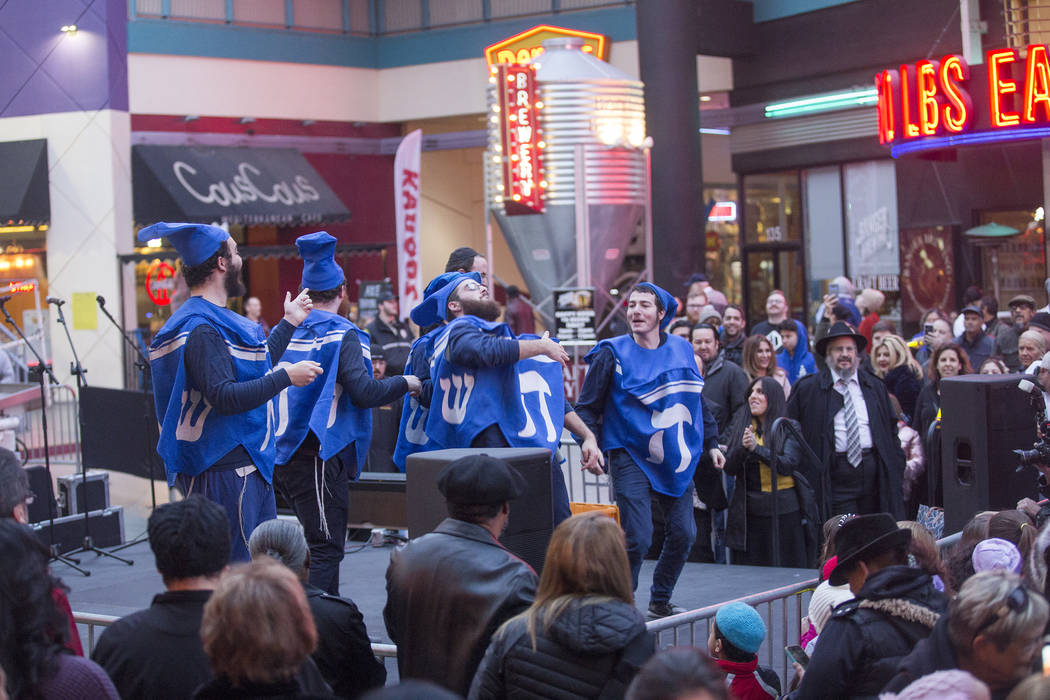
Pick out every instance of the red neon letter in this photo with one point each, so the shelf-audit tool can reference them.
(1036, 83)
(929, 110)
(911, 129)
(997, 87)
(953, 71)
(884, 83)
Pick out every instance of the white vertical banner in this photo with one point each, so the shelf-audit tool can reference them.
(407, 213)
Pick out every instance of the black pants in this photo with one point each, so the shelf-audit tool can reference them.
(306, 483)
(855, 489)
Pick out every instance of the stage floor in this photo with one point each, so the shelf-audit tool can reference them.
(118, 589)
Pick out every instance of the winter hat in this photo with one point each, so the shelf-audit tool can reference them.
(666, 300)
(943, 685)
(195, 243)
(995, 553)
(320, 270)
(741, 626)
(824, 599)
(434, 306)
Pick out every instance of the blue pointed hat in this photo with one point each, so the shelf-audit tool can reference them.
(320, 271)
(668, 301)
(195, 243)
(434, 306)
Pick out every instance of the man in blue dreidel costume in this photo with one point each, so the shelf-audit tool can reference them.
(412, 436)
(213, 381)
(492, 389)
(324, 429)
(642, 395)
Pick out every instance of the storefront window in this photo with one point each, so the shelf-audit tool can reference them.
(1022, 258)
(825, 254)
(773, 208)
(722, 237)
(872, 240)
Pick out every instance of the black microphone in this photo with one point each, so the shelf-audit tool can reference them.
(55, 300)
(101, 300)
(6, 298)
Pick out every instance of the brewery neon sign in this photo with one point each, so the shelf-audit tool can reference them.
(160, 282)
(526, 46)
(520, 139)
(937, 104)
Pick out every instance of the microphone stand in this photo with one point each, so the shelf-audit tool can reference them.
(142, 363)
(39, 371)
(78, 371)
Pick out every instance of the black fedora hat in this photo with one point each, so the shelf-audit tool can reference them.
(865, 535)
(841, 329)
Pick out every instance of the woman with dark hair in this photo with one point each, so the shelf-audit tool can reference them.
(749, 528)
(33, 629)
(582, 633)
(949, 360)
(760, 360)
(1016, 527)
(923, 554)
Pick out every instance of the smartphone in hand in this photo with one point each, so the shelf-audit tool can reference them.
(797, 654)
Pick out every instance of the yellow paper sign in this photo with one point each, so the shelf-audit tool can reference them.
(85, 313)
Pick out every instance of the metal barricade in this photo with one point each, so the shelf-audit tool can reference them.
(582, 486)
(63, 427)
(88, 624)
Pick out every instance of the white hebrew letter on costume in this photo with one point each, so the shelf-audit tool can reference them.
(191, 417)
(335, 404)
(415, 426)
(454, 410)
(676, 415)
(533, 381)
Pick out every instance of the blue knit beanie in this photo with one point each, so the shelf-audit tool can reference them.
(741, 625)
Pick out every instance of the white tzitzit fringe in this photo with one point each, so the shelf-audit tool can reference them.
(319, 490)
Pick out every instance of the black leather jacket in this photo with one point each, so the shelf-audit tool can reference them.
(447, 593)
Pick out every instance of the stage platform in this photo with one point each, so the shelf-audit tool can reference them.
(118, 589)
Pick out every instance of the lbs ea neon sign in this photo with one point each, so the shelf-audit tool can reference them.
(937, 104)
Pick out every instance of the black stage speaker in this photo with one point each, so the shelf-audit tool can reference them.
(531, 516)
(983, 418)
(119, 432)
(38, 484)
(107, 529)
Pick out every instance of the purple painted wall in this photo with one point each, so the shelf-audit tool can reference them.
(46, 71)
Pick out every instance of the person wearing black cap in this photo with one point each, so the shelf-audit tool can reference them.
(324, 430)
(449, 590)
(895, 606)
(390, 334)
(213, 380)
(1022, 308)
(848, 421)
(977, 344)
(642, 395)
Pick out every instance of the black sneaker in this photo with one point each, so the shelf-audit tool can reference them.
(658, 610)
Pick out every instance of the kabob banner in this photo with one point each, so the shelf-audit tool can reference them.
(935, 104)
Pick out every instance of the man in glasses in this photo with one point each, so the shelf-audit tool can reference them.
(895, 606)
(493, 389)
(993, 630)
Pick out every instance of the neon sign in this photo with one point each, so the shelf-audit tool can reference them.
(937, 104)
(19, 287)
(160, 282)
(520, 142)
(526, 46)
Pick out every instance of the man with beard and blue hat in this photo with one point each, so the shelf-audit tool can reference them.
(214, 379)
(492, 389)
(411, 437)
(642, 395)
(324, 429)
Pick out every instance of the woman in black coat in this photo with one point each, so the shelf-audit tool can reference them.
(949, 360)
(582, 636)
(749, 528)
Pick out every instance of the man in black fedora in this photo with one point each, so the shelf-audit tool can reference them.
(449, 590)
(847, 420)
(895, 606)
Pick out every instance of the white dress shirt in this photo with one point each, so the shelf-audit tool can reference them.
(858, 406)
